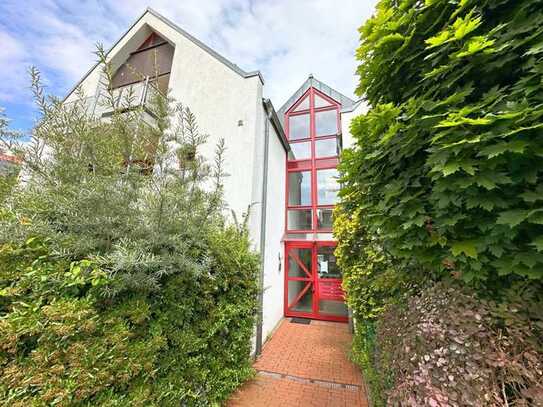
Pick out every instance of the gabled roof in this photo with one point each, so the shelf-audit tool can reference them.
(199, 43)
(194, 40)
(347, 104)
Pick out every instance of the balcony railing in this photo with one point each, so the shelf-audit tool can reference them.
(104, 104)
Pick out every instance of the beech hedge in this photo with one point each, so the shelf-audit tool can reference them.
(447, 347)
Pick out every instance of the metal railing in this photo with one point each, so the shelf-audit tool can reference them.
(104, 103)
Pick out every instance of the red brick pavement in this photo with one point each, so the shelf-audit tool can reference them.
(304, 365)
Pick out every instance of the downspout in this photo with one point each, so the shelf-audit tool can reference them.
(264, 199)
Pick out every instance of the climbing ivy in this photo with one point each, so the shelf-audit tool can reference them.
(447, 166)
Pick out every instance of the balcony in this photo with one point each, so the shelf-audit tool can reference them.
(123, 99)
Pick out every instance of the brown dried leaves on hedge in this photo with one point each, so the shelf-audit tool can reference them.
(447, 347)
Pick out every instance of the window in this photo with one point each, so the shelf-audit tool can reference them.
(313, 132)
(299, 262)
(299, 188)
(326, 123)
(327, 147)
(300, 151)
(298, 127)
(326, 263)
(300, 219)
(321, 102)
(304, 105)
(327, 186)
(153, 58)
(324, 218)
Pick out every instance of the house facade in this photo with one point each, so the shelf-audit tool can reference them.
(281, 163)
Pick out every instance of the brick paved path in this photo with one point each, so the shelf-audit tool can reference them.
(304, 365)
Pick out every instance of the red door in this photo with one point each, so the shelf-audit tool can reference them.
(313, 282)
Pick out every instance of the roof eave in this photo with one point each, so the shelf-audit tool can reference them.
(274, 119)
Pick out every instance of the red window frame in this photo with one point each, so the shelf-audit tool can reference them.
(313, 164)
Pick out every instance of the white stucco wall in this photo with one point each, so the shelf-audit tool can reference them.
(275, 226)
(346, 119)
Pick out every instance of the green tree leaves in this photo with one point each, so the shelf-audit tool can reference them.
(466, 247)
(448, 163)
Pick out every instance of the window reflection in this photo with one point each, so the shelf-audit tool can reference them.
(327, 186)
(326, 123)
(299, 219)
(299, 188)
(300, 151)
(324, 218)
(321, 102)
(304, 105)
(326, 148)
(298, 127)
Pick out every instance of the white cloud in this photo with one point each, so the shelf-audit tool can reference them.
(12, 56)
(284, 39)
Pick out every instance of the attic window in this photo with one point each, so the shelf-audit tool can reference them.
(153, 59)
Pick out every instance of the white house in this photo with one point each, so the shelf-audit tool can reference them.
(284, 162)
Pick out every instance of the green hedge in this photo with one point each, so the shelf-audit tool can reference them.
(448, 161)
(444, 180)
(63, 343)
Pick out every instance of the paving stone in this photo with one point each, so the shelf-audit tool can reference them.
(305, 365)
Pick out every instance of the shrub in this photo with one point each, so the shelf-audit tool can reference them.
(446, 347)
(121, 280)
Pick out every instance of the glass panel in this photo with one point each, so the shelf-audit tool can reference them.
(303, 236)
(298, 257)
(298, 127)
(152, 62)
(326, 262)
(300, 151)
(305, 303)
(327, 186)
(299, 219)
(321, 102)
(326, 122)
(161, 83)
(304, 105)
(324, 218)
(332, 307)
(327, 147)
(299, 188)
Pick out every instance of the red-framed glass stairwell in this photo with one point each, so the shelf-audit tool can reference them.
(312, 278)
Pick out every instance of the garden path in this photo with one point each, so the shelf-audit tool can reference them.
(305, 366)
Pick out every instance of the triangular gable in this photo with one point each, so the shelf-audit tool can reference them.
(345, 102)
(150, 13)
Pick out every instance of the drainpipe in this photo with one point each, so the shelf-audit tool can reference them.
(264, 199)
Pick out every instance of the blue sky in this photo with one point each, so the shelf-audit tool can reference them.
(285, 39)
